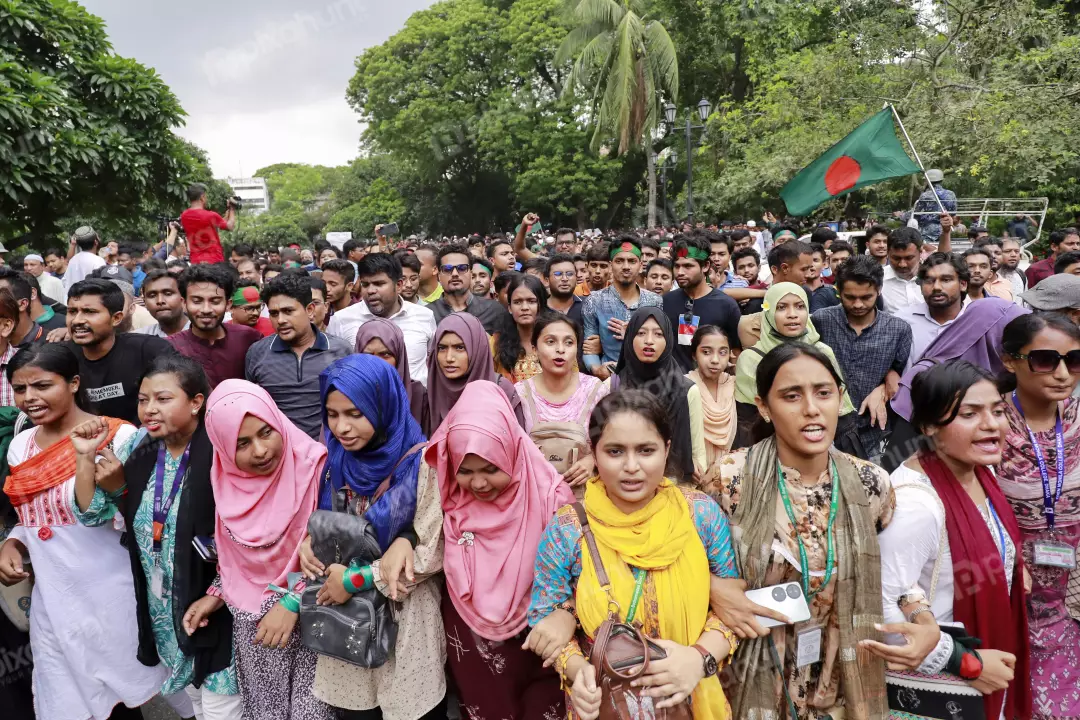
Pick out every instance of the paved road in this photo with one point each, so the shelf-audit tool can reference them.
(158, 709)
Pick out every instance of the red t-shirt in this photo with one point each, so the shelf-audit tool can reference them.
(201, 227)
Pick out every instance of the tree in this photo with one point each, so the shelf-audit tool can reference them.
(83, 132)
(380, 204)
(269, 231)
(630, 61)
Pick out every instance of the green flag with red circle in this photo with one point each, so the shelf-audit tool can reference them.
(870, 154)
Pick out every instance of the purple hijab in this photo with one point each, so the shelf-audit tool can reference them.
(443, 392)
(391, 337)
(975, 336)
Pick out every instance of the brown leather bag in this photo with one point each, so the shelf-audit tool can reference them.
(621, 654)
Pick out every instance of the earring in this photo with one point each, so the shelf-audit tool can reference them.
(766, 418)
(194, 412)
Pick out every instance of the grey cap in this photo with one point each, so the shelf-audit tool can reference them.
(1056, 292)
(116, 272)
(125, 287)
(935, 175)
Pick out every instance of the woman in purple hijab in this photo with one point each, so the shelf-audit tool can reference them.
(462, 353)
(974, 336)
(383, 339)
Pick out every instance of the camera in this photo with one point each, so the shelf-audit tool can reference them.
(164, 221)
(235, 202)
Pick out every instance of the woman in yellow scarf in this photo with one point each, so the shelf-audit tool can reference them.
(659, 544)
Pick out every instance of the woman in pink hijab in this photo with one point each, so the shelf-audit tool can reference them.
(265, 479)
(498, 494)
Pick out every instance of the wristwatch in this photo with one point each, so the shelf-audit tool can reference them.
(709, 663)
(915, 595)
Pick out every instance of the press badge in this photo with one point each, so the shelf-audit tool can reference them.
(1052, 554)
(687, 329)
(157, 580)
(808, 649)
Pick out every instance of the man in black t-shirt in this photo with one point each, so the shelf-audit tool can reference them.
(110, 364)
(694, 303)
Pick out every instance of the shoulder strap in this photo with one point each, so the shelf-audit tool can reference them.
(528, 402)
(590, 540)
(385, 484)
(942, 536)
(757, 350)
(586, 409)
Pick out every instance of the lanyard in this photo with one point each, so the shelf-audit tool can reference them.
(1059, 442)
(163, 505)
(1001, 533)
(639, 585)
(830, 557)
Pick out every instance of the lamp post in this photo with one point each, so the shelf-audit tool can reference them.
(670, 162)
(704, 108)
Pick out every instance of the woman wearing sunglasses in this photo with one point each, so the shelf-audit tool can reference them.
(512, 346)
(1040, 475)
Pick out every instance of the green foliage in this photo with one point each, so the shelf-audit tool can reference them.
(380, 203)
(83, 132)
(268, 230)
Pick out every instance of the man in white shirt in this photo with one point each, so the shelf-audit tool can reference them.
(901, 286)
(85, 261)
(378, 275)
(944, 279)
(51, 287)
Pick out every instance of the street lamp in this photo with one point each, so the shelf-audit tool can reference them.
(704, 108)
(669, 164)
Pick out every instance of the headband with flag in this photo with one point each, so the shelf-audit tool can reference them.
(694, 253)
(624, 247)
(245, 296)
(783, 234)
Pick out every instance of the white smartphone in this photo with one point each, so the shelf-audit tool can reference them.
(787, 599)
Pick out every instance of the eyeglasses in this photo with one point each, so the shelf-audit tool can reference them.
(1047, 361)
(463, 268)
(564, 273)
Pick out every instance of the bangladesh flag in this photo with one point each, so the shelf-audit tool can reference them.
(870, 154)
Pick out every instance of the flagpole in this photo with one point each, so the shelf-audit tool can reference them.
(916, 154)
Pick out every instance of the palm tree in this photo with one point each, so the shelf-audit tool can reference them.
(629, 62)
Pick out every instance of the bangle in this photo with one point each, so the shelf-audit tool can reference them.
(290, 602)
(356, 579)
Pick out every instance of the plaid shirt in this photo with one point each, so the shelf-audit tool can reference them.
(604, 305)
(7, 395)
(865, 359)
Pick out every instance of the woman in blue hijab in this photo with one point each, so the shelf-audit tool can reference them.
(375, 468)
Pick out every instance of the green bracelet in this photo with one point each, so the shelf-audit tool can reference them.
(290, 602)
(367, 579)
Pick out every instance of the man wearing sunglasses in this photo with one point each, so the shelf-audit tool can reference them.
(455, 277)
(560, 277)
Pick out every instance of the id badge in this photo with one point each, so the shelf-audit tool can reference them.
(1052, 554)
(687, 329)
(157, 580)
(808, 647)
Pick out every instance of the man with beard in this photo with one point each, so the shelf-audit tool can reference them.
(52, 287)
(979, 273)
(287, 364)
(409, 287)
(481, 277)
(161, 293)
(1008, 268)
(694, 303)
(1062, 240)
(218, 346)
(943, 278)
(606, 312)
(455, 275)
(379, 275)
(560, 278)
(872, 347)
(901, 288)
(110, 363)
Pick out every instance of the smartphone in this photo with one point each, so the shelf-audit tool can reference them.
(389, 230)
(204, 545)
(787, 599)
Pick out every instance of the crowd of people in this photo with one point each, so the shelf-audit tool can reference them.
(534, 477)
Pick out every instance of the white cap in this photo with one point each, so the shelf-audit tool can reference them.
(751, 223)
(33, 256)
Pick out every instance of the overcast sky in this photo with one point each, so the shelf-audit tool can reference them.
(262, 81)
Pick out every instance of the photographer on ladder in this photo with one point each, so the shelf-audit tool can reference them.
(201, 225)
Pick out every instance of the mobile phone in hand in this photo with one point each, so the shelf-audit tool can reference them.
(204, 545)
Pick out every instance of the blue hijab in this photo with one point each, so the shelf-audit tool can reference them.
(373, 386)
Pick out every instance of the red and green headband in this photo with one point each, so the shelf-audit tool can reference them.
(245, 296)
(694, 253)
(624, 247)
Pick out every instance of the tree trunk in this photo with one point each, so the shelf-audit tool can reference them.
(652, 186)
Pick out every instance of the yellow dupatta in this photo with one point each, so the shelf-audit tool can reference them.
(660, 538)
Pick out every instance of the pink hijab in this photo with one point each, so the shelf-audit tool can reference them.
(261, 519)
(489, 574)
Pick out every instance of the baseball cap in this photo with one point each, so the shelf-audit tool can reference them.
(1056, 292)
(116, 272)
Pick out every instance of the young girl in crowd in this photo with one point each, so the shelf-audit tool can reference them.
(649, 531)
(461, 354)
(1042, 417)
(952, 554)
(560, 394)
(265, 478)
(83, 630)
(371, 436)
(167, 504)
(648, 363)
(785, 319)
(498, 493)
(807, 513)
(712, 356)
(383, 339)
(513, 346)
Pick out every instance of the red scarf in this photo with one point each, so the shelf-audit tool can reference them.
(989, 611)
